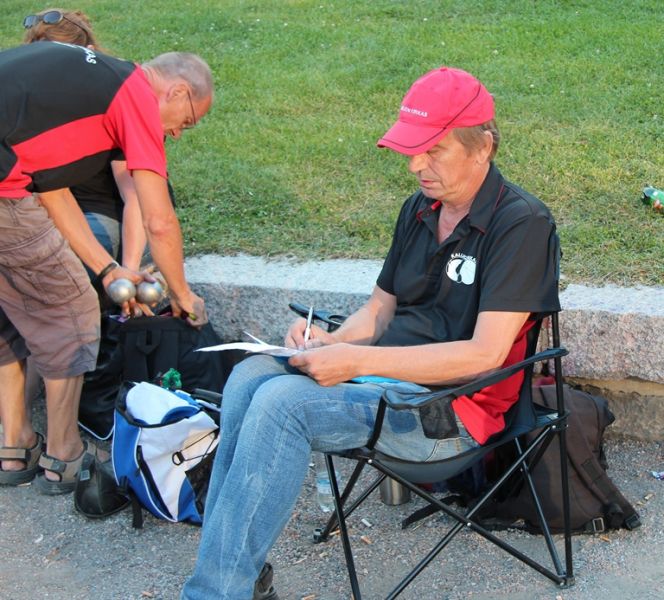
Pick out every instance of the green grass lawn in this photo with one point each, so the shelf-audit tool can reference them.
(286, 163)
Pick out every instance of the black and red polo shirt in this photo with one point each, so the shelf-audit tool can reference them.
(64, 109)
(501, 257)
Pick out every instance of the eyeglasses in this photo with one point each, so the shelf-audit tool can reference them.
(52, 17)
(194, 120)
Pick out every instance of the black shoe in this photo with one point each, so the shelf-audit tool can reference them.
(263, 589)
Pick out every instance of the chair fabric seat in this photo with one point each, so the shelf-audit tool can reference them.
(428, 472)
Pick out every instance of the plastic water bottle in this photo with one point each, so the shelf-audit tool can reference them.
(653, 197)
(324, 495)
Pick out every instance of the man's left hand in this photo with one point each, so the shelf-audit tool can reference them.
(191, 308)
(329, 365)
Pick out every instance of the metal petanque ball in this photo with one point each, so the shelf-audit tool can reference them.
(149, 292)
(121, 290)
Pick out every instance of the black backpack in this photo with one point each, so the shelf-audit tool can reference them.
(596, 504)
(144, 349)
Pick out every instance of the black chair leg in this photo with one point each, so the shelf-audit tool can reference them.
(558, 366)
(546, 532)
(343, 530)
(569, 566)
(526, 459)
(467, 521)
(322, 535)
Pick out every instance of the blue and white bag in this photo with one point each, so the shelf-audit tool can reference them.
(163, 446)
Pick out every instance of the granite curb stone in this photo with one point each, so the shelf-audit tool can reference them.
(613, 333)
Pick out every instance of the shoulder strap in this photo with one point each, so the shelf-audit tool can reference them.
(596, 479)
(136, 509)
(591, 470)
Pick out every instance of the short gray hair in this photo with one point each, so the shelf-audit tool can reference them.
(188, 67)
(472, 138)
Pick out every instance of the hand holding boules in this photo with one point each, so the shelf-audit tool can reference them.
(121, 290)
(121, 283)
(149, 292)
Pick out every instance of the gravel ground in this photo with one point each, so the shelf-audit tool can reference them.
(48, 550)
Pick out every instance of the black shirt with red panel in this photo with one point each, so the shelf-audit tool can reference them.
(65, 109)
(502, 256)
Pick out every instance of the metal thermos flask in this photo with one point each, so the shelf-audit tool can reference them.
(393, 493)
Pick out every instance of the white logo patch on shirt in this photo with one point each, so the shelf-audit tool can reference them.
(90, 56)
(461, 268)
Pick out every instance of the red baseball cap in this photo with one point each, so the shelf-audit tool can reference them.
(436, 103)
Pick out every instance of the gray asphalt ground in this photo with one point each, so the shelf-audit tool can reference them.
(49, 551)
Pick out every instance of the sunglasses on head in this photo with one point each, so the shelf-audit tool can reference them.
(52, 17)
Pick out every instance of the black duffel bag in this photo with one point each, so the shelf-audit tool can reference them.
(144, 349)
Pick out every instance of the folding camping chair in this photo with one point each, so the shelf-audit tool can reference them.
(522, 418)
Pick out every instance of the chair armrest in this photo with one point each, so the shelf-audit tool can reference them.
(404, 401)
(321, 315)
(207, 395)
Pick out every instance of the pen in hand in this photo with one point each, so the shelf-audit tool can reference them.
(307, 330)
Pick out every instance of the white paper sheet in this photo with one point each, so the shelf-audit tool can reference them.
(259, 346)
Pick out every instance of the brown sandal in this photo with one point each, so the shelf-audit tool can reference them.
(28, 456)
(66, 470)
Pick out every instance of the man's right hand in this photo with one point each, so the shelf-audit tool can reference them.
(317, 336)
(132, 307)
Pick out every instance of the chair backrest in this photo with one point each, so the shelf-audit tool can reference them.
(521, 416)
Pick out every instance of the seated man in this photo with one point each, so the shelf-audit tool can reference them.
(470, 264)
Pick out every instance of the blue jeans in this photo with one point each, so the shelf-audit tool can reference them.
(273, 416)
(108, 232)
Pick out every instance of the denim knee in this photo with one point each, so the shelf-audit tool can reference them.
(328, 418)
(282, 398)
(247, 376)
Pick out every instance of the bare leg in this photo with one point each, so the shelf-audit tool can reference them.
(63, 440)
(34, 388)
(18, 431)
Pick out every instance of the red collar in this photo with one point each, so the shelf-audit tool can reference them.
(425, 212)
